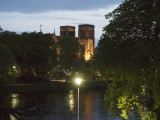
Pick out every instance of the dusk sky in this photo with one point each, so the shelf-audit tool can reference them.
(27, 15)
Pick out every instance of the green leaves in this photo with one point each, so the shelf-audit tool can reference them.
(1, 29)
(6, 63)
(129, 52)
(39, 52)
(70, 54)
(7, 58)
(33, 53)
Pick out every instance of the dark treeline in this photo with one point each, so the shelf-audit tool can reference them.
(129, 54)
(32, 57)
(26, 55)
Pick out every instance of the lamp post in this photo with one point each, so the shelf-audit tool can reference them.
(78, 81)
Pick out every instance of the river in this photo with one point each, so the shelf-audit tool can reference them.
(61, 105)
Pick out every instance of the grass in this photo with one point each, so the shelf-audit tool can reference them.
(51, 86)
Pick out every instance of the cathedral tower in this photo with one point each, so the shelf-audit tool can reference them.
(67, 31)
(86, 38)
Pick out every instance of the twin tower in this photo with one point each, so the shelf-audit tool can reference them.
(85, 37)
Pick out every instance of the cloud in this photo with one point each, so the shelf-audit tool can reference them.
(15, 21)
(37, 6)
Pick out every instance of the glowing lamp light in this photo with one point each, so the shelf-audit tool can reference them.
(78, 81)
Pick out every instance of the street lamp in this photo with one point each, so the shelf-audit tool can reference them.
(78, 81)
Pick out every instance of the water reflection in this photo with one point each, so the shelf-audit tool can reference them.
(71, 100)
(12, 117)
(63, 105)
(88, 103)
(14, 100)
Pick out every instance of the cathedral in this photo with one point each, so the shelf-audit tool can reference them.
(85, 37)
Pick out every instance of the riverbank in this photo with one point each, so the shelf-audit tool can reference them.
(51, 86)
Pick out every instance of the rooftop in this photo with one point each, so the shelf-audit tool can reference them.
(86, 25)
(66, 26)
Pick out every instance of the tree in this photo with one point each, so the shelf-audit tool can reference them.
(39, 54)
(71, 54)
(12, 41)
(6, 65)
(1, 29)
(128, 52)
(34, 53)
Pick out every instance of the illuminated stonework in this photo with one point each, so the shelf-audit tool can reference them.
(67, 31)
(85, 37)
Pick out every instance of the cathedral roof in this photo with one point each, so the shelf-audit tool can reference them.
(86, 25)
(67, 26)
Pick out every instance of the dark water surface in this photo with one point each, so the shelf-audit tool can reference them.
(61, 105)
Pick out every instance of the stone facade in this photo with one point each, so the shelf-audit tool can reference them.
(67, 31)
(85, 37)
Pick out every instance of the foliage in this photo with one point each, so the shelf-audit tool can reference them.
(12, 41)
(70, 54)
(34, 54)
(90, 70)
(39, 53)
(1, 29)
(6, 63)
(129, 53)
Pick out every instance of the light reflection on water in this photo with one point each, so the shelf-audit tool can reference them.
(71, 100)
(63, 105)
(88, 104)
(14, 100)
(12, 117)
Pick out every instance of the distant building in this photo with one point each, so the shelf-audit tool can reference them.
(85, 37)
(67, 31)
